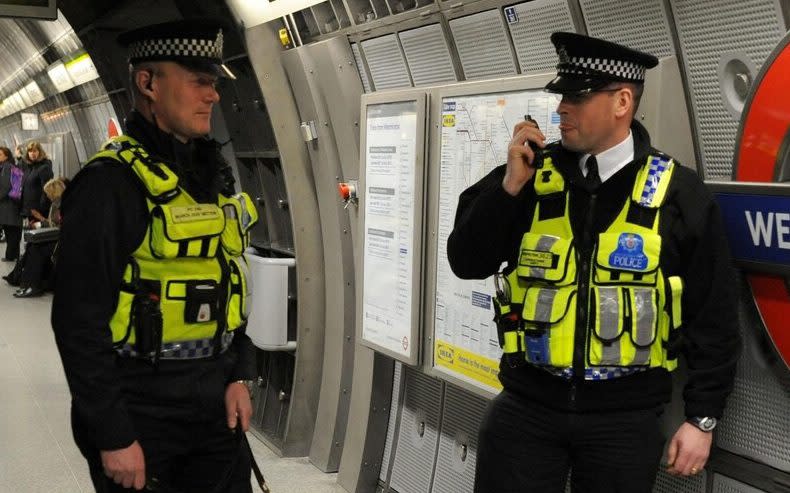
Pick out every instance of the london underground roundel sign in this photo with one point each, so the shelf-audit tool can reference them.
(762, 155)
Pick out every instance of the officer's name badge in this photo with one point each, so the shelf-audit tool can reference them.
(537, 258)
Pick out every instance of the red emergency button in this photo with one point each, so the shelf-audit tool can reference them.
(348, 191)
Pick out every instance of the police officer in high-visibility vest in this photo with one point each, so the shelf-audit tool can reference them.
(152, 295)
(616, 264)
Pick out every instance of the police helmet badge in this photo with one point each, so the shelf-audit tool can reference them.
(629, 254)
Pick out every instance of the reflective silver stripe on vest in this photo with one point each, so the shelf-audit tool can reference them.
(643, 332)
(609, 325)
(545, 304)
(197, 349)
(544, 245)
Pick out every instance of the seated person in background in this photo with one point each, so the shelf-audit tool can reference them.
(37, 261)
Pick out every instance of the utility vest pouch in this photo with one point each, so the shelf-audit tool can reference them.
(240, 294)
(627, 258)
(549, 324)
(625, 325)
(201, 302)
(186, 231)
(547, 258)
(240, 215)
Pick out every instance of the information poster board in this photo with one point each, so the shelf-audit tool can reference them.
(391, 200)
(475, 133)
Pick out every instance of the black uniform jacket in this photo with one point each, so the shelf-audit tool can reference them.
(104, 220)
(489, 224)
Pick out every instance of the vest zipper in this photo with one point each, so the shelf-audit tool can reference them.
(583, 298)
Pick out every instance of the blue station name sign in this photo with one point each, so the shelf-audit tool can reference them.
(757, 219)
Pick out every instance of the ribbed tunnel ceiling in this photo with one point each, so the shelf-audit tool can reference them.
(26, 49)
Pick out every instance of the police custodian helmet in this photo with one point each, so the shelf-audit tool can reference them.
(588, 64)
(194, 43)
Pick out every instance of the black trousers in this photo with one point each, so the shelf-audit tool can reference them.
(13, 237)
(184, 457)
(38, 263)
(524, 447)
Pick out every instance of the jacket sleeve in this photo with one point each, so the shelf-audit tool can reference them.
(103, 221)
(245, 368)
(45, 176)
(485, 226)
(711, 337)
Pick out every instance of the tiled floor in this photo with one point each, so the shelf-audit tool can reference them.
(37, 453)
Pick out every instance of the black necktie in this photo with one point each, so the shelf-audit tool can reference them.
(593, 179)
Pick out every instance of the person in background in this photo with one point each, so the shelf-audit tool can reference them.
(21, 155)
(34, 201)
(11, 181)
(151, 328)
(617, 263)
(37, 261)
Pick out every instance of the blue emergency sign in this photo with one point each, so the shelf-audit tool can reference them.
(758, 227)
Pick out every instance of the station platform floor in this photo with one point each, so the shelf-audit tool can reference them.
(37, 452)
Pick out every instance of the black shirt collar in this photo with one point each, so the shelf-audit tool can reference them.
(194, 162)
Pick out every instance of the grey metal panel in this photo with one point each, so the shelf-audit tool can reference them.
(273, 83)
(664, 112)
(756, 422)
(335, 91)
(428, 55)
(363, 74)
(391, 425)
(418, 435)
(483, 45)
(531, 34)
(723, 484)
(709, 31)
(338, 300)
(371, 405)
(640, 24)
(666, 483)
(457, 459)
(385, 60)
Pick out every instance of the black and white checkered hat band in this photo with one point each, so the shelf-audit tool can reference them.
(153, 48)
(587, 66)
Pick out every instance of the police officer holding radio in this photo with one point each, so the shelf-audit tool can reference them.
(616, 264)
(151, 294)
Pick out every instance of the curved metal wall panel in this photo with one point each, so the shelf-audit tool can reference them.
(418, 435)
(640, 24)
(363, 74)
(457, 459)
(386, 62)
(674, 484)
(756, 422)
(723, 484)
(531, 34)
(709, 31)
(483, 45)
(394, 406)
(428, 55)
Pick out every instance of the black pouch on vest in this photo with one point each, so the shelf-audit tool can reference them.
(201, 302)
(147, 326)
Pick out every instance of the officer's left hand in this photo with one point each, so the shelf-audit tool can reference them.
(689, 450)
(238, 405)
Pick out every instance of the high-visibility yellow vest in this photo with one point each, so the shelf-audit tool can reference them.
(190, 263)
(631, 306)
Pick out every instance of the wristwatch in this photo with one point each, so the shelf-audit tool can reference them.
(703, 423)
(249, 384)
